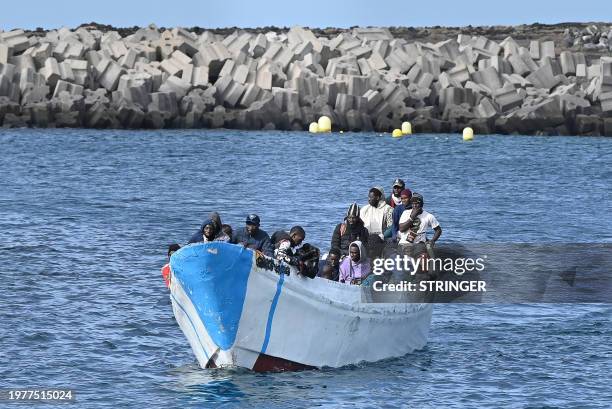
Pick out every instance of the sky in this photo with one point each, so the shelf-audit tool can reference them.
(29, 14)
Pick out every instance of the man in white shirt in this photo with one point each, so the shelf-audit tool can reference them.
(377, 217)
(413, 226)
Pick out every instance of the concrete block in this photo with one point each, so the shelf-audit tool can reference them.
(399, 60)
(176, 63)
(212, 56)
(488, 77)
(108, 74)
(66, 72)
(258, 45)
(460, 74)
(251, 94)
(129, 59)
(509, 47)
(568, 66)
(51, 71)
(64, 86)
(605, 100)
(16, 40)
(263, 80)
(456, 96)
(176, 85)
(507, 98)
(5, 53)
(486, 109)
(547, 49)
(545, 77)
(164, 102)
(39, 53)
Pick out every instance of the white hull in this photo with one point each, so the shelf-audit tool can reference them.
(287, 322)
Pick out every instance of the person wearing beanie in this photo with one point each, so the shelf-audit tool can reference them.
(405, 196)
(253, 237)
(394, 198)
(377, 217)
(350, 230)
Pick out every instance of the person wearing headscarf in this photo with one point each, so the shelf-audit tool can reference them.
(350, 230)
(355, 268)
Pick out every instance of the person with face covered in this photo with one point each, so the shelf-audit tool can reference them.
(351, 230)
(253, 237)
(377, 217)
(355, 268)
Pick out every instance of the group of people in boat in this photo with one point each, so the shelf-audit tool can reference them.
(362, 237)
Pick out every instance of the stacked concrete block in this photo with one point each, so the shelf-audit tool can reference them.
(178, 86)
(16, 41)
(108, 74)
(64, 86)
(258, 45)
(213, 56)
(507, 98)
(228, 91)
(548, 76)
(176, 63)
(456, 96)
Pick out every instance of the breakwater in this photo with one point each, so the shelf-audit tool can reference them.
(552, 80)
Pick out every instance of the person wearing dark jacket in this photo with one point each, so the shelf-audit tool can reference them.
(285, 243)
(213, 231)
(253, 237)
(351, 230)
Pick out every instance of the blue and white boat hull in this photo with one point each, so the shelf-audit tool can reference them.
(235, 313)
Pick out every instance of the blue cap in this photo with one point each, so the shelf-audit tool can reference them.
(253, 219)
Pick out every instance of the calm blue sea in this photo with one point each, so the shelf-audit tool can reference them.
(86, 217)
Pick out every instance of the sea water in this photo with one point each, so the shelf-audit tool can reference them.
(86, 217)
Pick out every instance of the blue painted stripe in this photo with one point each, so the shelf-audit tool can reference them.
(279, 287)
(192, 325)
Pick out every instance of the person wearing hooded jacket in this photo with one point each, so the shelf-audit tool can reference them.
(215, 219)
(351, 230)
(355, 268)
(210, 231)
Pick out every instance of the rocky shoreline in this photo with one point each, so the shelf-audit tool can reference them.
(536, 79)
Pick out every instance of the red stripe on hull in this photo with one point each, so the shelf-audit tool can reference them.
(267, 363)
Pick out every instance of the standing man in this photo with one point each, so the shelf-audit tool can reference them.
(377, 217)
(253, 237)
(413, 227)
(394, 198)
(351, 230)
(405, 196)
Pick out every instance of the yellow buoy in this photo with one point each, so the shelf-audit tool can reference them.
(468, 134)
(397, 133)
(313, 128)
(406, 128)
(324, 124)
